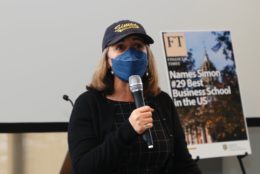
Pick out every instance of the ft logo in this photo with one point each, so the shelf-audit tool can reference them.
(174, 44)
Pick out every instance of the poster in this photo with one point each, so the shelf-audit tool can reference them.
(205, 90)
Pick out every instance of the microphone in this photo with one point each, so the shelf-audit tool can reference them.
(136, 87)
(66, 97)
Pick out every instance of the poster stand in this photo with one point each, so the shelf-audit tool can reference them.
(239, 157)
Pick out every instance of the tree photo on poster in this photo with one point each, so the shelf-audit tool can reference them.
(205, 89)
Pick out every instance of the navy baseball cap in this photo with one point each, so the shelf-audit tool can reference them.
(122, 29)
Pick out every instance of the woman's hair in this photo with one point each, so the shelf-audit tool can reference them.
(103, 79)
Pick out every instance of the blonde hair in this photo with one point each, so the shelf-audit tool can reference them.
(103, 79)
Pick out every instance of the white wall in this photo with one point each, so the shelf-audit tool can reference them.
(51, 47)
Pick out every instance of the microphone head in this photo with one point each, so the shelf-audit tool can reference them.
(65, 97)
(135, 83)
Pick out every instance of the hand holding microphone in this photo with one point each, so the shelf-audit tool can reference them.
(141, 118)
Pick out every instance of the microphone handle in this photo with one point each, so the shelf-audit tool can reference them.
(139, 102)
(139, 98)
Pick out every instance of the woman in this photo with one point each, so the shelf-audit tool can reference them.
(105, 129)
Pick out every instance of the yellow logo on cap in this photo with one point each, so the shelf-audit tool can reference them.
(126, 26)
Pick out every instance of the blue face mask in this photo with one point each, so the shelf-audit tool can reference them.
(131, 62)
